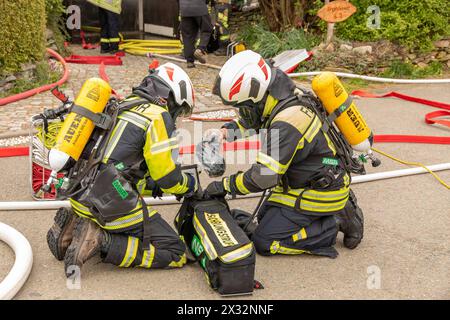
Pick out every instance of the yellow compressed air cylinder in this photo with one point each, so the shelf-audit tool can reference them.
(351, 124)
(77, 129)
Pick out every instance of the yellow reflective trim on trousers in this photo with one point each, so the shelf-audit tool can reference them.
(271, 163)
(301, 235)
(164, 146)
(237, 254)
(180, 263)
(83, 209)
(313, 130)
(115, 137)
(127, 221)
(114, 39)
(240, 184)
(330, 143)
(226, 184)
(290, 251)
(207, 245)
(147, 257)
(104, 40)
(130, 255)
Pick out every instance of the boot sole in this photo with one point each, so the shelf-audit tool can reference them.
(62, 219)
(74, 249)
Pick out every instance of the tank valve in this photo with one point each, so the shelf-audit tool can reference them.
(375, 161)
(46, 188)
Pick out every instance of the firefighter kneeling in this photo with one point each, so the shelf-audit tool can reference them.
(110, 216)
(310, 199)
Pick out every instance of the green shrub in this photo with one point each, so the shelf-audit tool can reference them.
(413, 23)
(400, 69)
(55, 11)
(269, 44)
(22, 26)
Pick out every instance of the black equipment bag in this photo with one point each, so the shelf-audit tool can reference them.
(111, 195)
(218, 243)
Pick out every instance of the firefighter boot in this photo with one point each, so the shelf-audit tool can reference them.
(351, 223)
(200, 55)
(88, 240)
(60, 234)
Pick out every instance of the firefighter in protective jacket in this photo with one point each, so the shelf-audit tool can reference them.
(310, 199)
(141, 146)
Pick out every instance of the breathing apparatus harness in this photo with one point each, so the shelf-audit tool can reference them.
(87, 177)
(326, 179)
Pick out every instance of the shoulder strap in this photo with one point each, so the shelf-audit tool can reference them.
(289, 102)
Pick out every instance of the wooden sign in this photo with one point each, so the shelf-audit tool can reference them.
(336, 11)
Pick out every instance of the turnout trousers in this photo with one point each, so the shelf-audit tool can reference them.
(190, 28)
(283, 230)
(167, 250)
(109, 34)
(125, 249)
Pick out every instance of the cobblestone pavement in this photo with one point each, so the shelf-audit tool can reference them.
(16, 116)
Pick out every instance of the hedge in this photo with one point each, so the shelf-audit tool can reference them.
(22, 33)
(413, 23)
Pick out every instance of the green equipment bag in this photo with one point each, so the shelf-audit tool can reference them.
(217, 242)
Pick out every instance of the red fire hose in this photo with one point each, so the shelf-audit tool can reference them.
(47, 87)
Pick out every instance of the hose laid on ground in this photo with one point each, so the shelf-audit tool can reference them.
(368, 78)
(145, 47)
(47, 87)
(411, 163)
(22, 264)
(50, 205)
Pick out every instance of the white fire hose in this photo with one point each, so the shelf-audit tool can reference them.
(374, 79)
(22, 264)
(49, 205)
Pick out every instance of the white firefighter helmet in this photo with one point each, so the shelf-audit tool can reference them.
(179, 83)
(244, 77)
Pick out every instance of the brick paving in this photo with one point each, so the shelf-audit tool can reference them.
(16, 116)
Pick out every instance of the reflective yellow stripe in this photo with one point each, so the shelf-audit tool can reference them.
(114, 39)
(103, 40)
(128, 220)
(164, 146)
(79, 207)
(301, 144)
(301, 235)
(147, 258)
(330, 143)
(237, 254)
(207, 245)
(313, 130)
(115, 137)
(317, 195)
(180, 263)
(283, 199)
(274, 247)
(135, 119)
(271, 163)
(286, 250)
(130, 255)
(240, 184)
(226, 184)
(322, 207)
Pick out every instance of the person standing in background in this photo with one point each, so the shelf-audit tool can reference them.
(109, 13)
(222, 10)
(195, 18)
